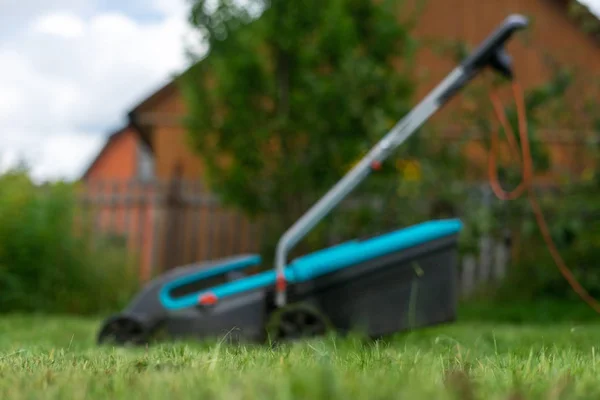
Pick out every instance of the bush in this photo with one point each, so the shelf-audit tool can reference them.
(47, 263)
(573, 220)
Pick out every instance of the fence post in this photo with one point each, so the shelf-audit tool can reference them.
(173, 203)
(469, 268)
(485, 245)
(195, 190)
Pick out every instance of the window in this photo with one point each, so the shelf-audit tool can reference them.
(145, 163)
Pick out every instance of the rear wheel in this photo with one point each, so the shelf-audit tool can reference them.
(297, 321)
(123, 330)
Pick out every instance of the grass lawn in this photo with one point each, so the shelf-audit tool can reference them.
(45, 357)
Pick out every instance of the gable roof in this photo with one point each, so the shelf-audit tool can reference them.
(582, 16)
(111, 139)
(154, 98)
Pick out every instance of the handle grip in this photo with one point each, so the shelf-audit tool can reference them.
(491, 51)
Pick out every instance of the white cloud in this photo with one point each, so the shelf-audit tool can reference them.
(65, 25)
(594, 5)
(70, 74)
(177, 9)
(76, 149)
(51, 156)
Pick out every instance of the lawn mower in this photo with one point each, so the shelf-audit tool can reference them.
(405, 279)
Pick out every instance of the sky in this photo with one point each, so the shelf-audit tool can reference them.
(71, 69)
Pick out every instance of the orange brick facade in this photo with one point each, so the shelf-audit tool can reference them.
(552, 36)
(118, 159)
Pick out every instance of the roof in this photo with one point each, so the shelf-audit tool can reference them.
(583, 17)
(146, 102)
(577, 12)
(155, 97)
(113, 136)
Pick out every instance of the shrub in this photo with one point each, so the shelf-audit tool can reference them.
(46, 264)
(574, 225)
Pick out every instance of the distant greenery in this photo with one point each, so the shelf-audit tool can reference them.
(540, 310)
(284, 104)
(48, 262)
(574, 220)
(587, 20)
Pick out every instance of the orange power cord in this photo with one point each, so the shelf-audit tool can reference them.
(526, 184)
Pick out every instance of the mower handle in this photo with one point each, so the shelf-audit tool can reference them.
(489, 53)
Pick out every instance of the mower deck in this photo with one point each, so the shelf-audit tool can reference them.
(392, 282)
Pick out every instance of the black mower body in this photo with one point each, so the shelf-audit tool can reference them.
(412, 287)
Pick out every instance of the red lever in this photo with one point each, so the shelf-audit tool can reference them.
(208, 299)
(280, 283)
(376, 165)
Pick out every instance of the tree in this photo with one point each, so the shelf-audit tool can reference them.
(291, 93)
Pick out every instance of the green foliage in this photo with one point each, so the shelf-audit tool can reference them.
(283, 105)
(538, 100)
(543, 103)
(45, 264)
(587, 20)
(574, 223)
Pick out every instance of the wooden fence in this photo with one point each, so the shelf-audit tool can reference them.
(489, 261)
(168, 223)
(174, 223)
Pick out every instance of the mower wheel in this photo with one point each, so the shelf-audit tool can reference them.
(123, 330)
(297, 321)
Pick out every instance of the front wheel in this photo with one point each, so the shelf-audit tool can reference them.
(297, 321)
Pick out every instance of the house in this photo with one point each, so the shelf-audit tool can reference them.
(116, 187)
(166, 219)
(560, 32)
(125, 155)
(555, 34)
